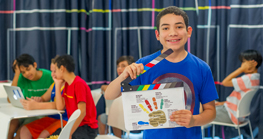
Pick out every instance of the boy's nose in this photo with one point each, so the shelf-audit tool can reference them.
(173, 32)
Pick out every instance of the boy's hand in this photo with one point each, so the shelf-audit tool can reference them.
(15, 67)
(37, 99)
(248, 66)
(132, 70)
(28, 104)
(183, 118)
(58, 82)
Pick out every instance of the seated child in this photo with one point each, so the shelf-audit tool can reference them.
(122, 63)
(251, 61)
(33, 82)
(44, 127)
(76, 95)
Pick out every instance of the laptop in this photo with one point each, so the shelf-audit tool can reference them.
(14, 94)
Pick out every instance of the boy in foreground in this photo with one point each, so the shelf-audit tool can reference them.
(76, 95)
(173, 32)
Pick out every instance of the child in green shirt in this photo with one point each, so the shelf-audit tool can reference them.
(33, 82)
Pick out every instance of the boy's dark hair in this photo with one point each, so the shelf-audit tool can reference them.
(129, 59)
(172, 10)
(67, 61)
(251, 55)
(24, 60)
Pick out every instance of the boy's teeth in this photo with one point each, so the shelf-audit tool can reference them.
(173, 40)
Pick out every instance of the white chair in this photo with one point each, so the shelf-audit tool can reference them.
(116, 116)
(243, 110)
(96, 94)
(65, 132)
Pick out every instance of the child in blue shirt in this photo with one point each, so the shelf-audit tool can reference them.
(173, 32)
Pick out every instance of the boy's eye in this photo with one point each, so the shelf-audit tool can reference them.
(165, 28)
(179, 27)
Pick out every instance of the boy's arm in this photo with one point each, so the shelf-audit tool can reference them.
(31, 104)
(185, 117)
(247, 67)
(47, 96)
(82, 107)
(16, 76)
(228, 80)
(17, 73)
(114, 89)
(60, 102)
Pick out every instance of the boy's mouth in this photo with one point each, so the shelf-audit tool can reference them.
(175, 40)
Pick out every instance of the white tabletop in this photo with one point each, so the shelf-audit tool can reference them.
(9, 112)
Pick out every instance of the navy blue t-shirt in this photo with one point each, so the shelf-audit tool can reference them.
(198, 87)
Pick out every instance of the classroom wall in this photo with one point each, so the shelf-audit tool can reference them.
(97, 32)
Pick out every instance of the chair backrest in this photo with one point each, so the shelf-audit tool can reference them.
(64, 134)
(2, 90)
(96, 94)
(243, 107)
(116, 116)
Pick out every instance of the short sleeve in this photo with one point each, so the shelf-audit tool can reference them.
(21, 81)
(81, 92)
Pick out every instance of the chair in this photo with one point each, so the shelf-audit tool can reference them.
(116, 116)
(96, 94)
(64, 134)
(243, 110)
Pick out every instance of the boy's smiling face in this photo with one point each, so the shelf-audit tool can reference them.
(173, 32)
(29, 72)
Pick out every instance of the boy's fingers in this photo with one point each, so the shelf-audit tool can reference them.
(134, 70)
(129, 70)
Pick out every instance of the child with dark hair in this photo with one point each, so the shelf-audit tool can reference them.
(122, 63)
(33, 82)
(250, 62)
(76, 95)
(173, 32)
(46, 126)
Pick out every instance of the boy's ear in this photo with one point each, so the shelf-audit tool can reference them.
(255, 63)
(157, 35)
(35, 64)
(62, 68)
(189, 31)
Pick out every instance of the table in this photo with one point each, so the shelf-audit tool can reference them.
(9, 112)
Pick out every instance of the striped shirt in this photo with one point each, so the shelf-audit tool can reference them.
(241, 85)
